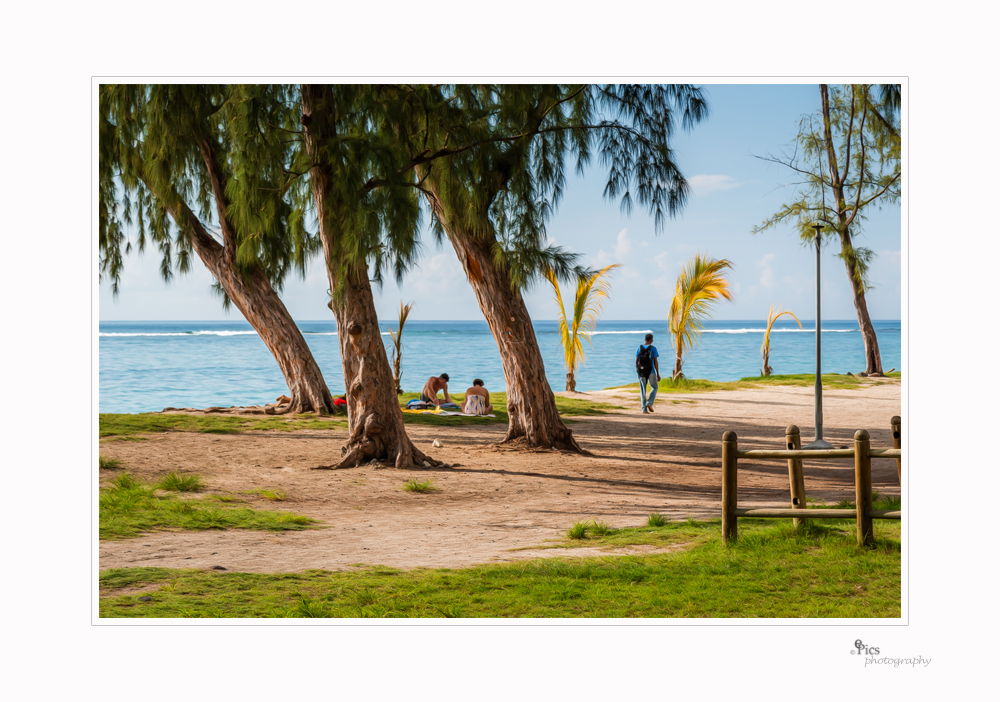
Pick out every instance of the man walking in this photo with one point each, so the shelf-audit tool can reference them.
(647, 365)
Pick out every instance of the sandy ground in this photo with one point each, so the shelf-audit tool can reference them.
(498, 505)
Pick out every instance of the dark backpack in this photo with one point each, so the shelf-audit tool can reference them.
(644, 361)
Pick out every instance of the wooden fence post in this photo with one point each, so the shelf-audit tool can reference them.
(796, 481)
(863, 486)
(729, 448)
(897, 442)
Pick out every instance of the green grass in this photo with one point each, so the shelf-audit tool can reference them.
(128, 425)
(176, 482)
(108, 463)
(771, 571)
(656, 520)
(272, 495)
(130, 507)
(693, 385)
(418, 486)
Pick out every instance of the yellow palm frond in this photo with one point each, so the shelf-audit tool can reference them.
(700, 285)
(591, 291)
(772, 317)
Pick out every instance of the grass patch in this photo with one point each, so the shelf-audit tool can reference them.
(128, 425)
(567, 407)
(175, 482)
(656, 520)
(772, 571)
(129, 507)
(418, 486)
(695, 385)
(272, 495)
(108, 463)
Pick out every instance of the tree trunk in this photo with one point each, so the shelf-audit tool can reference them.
(766, 370)
(570, 382)
(531, 405)
(396, 375)
(873, 359)
(256, 299)
(375, 421)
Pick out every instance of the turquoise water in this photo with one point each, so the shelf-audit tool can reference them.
(146, 366)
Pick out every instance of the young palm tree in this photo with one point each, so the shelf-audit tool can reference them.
(397, 342)
(700, 284)
(590, 291)
(765, 349)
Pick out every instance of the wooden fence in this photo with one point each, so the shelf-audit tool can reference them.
(862, 453)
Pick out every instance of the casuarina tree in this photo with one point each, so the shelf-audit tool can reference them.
(168, 173)
(492, 203)
(848, 158)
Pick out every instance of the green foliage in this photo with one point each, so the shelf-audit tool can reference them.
(173, 167)
(847, 158)
(578, 530)
(502, 191)
(108, 463)
(772, 571)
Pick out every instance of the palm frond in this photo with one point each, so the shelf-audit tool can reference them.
(772, 317)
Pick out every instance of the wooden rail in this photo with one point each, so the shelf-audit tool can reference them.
(862, 453)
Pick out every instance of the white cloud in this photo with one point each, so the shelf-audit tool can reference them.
(705, 184)
(623, 246)
(766, 271)
(661, 261)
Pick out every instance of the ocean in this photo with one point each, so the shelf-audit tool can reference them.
(146, 366)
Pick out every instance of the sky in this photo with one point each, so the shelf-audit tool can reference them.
(733, 189)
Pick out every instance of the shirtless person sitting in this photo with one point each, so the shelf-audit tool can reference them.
(431, 387)
(477, 399)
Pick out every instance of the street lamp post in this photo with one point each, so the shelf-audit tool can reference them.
(818, 443)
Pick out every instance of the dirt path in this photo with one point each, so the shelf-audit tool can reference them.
(492, 502)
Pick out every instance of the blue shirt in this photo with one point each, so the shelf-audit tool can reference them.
(653, 354)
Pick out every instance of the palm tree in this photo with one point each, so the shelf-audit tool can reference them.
(699, 285)
(397, 342)
(590, 291)
(765, 348)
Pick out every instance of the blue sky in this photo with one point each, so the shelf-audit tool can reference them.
(732, 191)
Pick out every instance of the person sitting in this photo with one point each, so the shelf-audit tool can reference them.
(477, 399)
(431, 387)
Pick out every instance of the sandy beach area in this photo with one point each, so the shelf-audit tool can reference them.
(497, 505)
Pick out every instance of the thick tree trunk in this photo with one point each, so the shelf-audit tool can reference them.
(375, 420)
(256, 299)
(531, 405)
